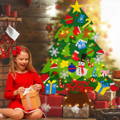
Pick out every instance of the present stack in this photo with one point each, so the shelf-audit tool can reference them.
(106, 101)
(116, 79)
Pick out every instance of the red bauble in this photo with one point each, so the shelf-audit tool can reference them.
(72, 37)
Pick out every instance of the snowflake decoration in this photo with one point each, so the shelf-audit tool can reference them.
(54, 51)
(64, 74)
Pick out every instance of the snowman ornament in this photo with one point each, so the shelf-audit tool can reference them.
(81, 70)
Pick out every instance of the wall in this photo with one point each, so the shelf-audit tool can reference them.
(32, 34)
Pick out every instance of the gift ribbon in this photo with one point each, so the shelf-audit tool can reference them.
(102, 87)
(105, 72)
(51, 83)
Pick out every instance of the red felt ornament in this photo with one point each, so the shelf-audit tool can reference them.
(72, 37)
(75, 56)
(68, 19)
(76, 31)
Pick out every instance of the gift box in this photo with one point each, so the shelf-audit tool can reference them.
(118, 102)
(108, 96)
(75, 111)
(91, 95)
(30, 99)
(50, 87)
(101, 104)
(52, 105)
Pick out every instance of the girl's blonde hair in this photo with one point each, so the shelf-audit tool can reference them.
(15, 52)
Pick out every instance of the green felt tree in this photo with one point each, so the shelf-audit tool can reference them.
(75, 63)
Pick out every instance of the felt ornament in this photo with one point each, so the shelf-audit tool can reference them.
(68, 19)
(81, 44)
(72, 37)
(81, 70)
(76, 31)
(99, 52)
(64, 64)
(72, 68)
(75, 56)
(76, 7)
(54, 65)
(102, 87)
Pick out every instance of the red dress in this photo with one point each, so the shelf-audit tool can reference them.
(19, 80)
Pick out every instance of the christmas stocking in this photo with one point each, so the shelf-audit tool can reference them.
(75, 55)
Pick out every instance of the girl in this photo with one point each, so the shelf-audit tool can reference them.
(21, 75)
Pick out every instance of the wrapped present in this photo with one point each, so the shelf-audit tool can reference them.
(91, 95)
(108, 96)
(30, 99)
(50, 87)
(101, 104)
(75, 111)
(118, 102)
(52, 105)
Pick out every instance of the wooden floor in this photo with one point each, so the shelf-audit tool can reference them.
(60, 119)
(66, 119)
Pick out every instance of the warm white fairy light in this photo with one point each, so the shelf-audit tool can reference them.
(110, 13)
(51, 11)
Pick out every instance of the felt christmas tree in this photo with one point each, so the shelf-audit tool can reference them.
(75, 63)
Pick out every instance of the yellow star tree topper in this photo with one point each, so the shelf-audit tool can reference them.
(76, 7)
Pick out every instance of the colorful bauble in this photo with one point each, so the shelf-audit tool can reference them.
(72, 68)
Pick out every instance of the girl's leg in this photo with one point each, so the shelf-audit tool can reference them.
(35, 115)
(16, 114)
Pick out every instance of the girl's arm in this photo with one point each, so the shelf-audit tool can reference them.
(38, 84)
(9, 89)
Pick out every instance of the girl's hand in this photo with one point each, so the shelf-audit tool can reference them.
(37, 87)
(20, 90)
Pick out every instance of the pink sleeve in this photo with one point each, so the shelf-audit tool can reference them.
(9, 89)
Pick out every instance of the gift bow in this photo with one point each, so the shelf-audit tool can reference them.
(51, 83)
(75, 109)
(105, 72)
(45, 107)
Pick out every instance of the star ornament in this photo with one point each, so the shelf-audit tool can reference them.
(76, 7)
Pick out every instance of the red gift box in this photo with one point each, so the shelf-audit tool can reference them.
(52, 105)
(101, 104)
(118, 102)
(91, 95)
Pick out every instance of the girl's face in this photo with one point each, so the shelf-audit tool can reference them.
(22, 61)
